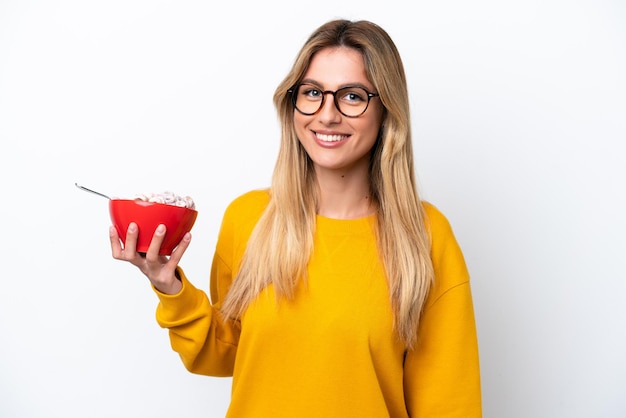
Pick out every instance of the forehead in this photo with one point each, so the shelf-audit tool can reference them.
(337, 66)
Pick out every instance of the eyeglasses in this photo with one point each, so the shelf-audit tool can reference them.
(351, 101)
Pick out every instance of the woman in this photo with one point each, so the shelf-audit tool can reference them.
(337, 292)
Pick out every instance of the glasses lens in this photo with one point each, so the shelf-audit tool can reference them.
(308, 99)
(352, 101)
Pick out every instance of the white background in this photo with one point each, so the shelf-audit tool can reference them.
(519, 121)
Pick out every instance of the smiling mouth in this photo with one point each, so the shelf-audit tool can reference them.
(330, 138)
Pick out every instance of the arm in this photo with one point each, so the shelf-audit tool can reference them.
(206, 344)
(442, 373)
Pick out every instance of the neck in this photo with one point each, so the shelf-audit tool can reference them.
(344, 196)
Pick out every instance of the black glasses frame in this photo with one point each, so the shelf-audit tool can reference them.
(294, 98)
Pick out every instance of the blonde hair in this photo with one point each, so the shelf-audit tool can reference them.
(281, 244)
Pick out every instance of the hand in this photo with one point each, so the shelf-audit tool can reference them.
(159, 269)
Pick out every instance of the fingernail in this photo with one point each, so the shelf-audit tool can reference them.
(132, 227)
(160, 229)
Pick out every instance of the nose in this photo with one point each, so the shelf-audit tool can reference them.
(329, 113)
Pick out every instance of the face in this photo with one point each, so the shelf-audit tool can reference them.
(335, 142)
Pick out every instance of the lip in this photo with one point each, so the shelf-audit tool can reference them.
(329, 143)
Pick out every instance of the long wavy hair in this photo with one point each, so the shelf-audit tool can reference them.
(281, 244)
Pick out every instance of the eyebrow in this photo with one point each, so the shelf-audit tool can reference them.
(311, 81)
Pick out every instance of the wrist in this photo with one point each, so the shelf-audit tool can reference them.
(173, 287)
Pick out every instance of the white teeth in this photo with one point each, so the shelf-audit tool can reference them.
(330, 138)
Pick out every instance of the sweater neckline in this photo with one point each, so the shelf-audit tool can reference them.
(345, 225)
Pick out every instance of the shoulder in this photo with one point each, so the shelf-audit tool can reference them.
(240, 217)
(248, 205)
(438, 225)
(243, 212)
(435, 220)
(448, 261)
(439, 228)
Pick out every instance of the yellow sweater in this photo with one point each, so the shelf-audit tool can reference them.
(331, 351)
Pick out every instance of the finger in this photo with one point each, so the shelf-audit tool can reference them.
(130, 245)
(155, 243)
(116, 245)
(180, 249)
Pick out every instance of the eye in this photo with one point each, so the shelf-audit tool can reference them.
(352, 95)
(310, 92)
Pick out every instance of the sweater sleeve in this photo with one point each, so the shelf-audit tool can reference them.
(442, 373)
(206, 344)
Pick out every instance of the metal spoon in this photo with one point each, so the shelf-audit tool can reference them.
(91, 191)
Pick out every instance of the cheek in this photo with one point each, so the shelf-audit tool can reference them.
(372, 129)
(300, 124)
(299, 130)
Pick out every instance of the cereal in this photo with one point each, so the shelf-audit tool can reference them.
(168, 198)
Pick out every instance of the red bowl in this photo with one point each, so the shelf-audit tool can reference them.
(148, 215)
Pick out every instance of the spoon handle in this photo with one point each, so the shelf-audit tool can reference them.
(91, 191)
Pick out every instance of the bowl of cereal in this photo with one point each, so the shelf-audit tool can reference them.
(148, 211)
